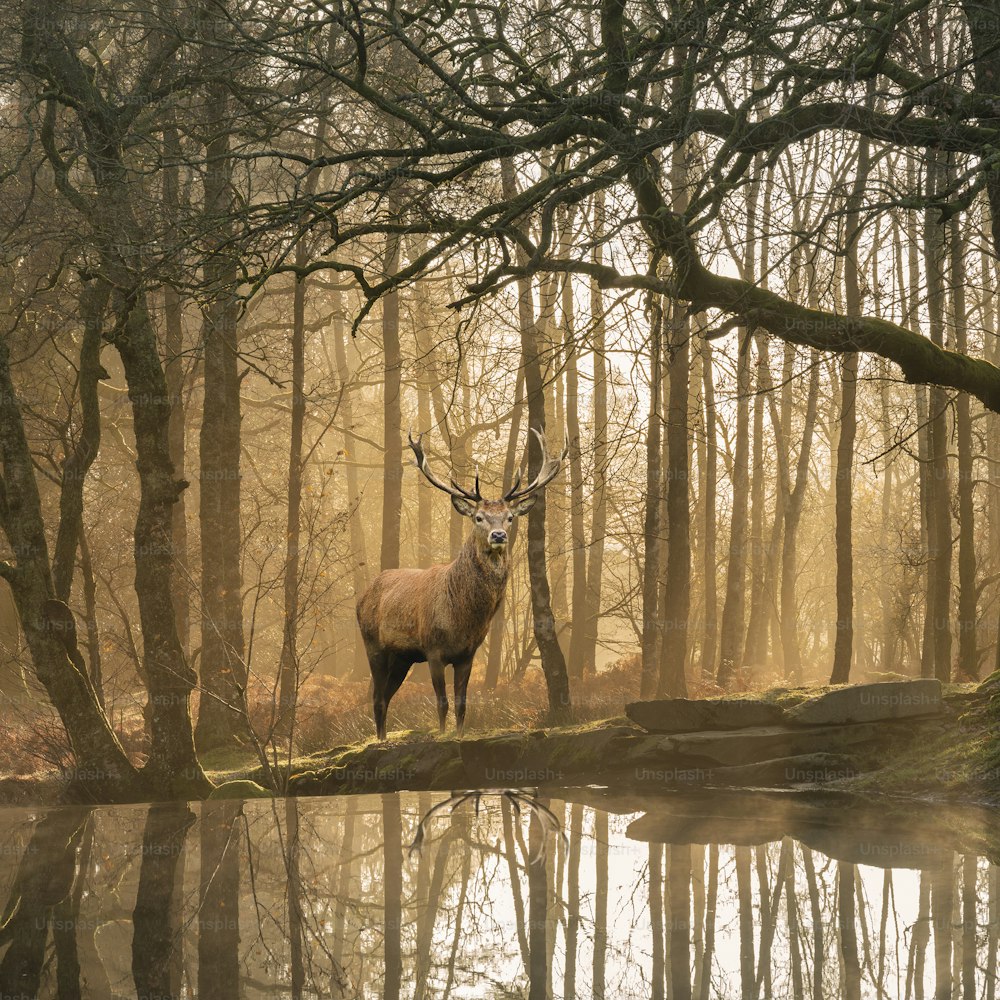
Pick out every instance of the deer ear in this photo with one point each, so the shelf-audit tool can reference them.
(465, 507)
(520, 507)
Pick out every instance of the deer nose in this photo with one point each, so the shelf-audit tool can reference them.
(498, 537)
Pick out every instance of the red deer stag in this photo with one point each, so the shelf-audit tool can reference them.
(441, 614)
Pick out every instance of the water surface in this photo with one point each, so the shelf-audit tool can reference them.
(323, 897)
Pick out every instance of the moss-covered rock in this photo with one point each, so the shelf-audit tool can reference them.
(782, 772)
(695, 715)
(384, 767)
(240, 789)
(883, 702)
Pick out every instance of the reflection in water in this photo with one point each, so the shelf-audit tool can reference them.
(218, 914)
(321, 898)
(157, 942)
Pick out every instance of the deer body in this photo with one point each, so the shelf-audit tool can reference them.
(441, 615)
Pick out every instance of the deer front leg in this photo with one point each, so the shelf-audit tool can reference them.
(463, 670)
(441, 692)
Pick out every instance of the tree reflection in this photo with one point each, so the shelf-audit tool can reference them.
(219, 892)
(537, 910)
(43, 884)
(157, 951)
(320, 897)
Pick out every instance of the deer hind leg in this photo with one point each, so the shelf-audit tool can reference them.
(378, 663)
(440, 691)
(397, 667)
(462, 671)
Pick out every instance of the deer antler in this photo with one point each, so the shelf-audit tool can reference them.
(454, 489)
(547, 472)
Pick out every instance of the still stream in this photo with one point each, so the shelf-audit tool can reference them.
(387, 896)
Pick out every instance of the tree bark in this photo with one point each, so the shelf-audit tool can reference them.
(494, 657)
(93, 302)
(173, 345)
(392, 456)
(173, 765)
(599, 501)
(222, 711)
(677, 603)
(731, 633)
(711, 473)
(288, 663)
(968, 655)
(359, 548)
(102, 768)
(844, 643)
(677, 607)
(553, 661)
(939, 481)
(844, 493)
(795, 498)
(651, 630)
(756, 634)
(578, 534)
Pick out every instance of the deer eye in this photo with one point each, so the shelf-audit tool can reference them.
(510, 517)
(479, 519)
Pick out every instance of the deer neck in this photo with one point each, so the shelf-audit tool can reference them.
(491, 566)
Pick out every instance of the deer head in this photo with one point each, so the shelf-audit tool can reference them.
(491, 519)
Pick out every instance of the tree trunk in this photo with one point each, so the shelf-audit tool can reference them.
(173, 346)
(93, 302)
(731, 637)
(710, 491)
(101, 765)
(392, 457)
(673, 659)
(756, 636)
(599, 504)
(940, 486)
(288, 663)
(359, 557)
(677, 597)
(795, 494)
(173, 767)
(992, 435)
(844, 493)
(553, 661)
(651, 630)
(494, 657)
(578, 536)
(844, 643)
(927, 526)
(968, 655)
(222, 711)
(90, 606)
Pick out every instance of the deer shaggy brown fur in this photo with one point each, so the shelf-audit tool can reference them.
(441, 615)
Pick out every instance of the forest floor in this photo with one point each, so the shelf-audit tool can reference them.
(959, 763)
(951, 758)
